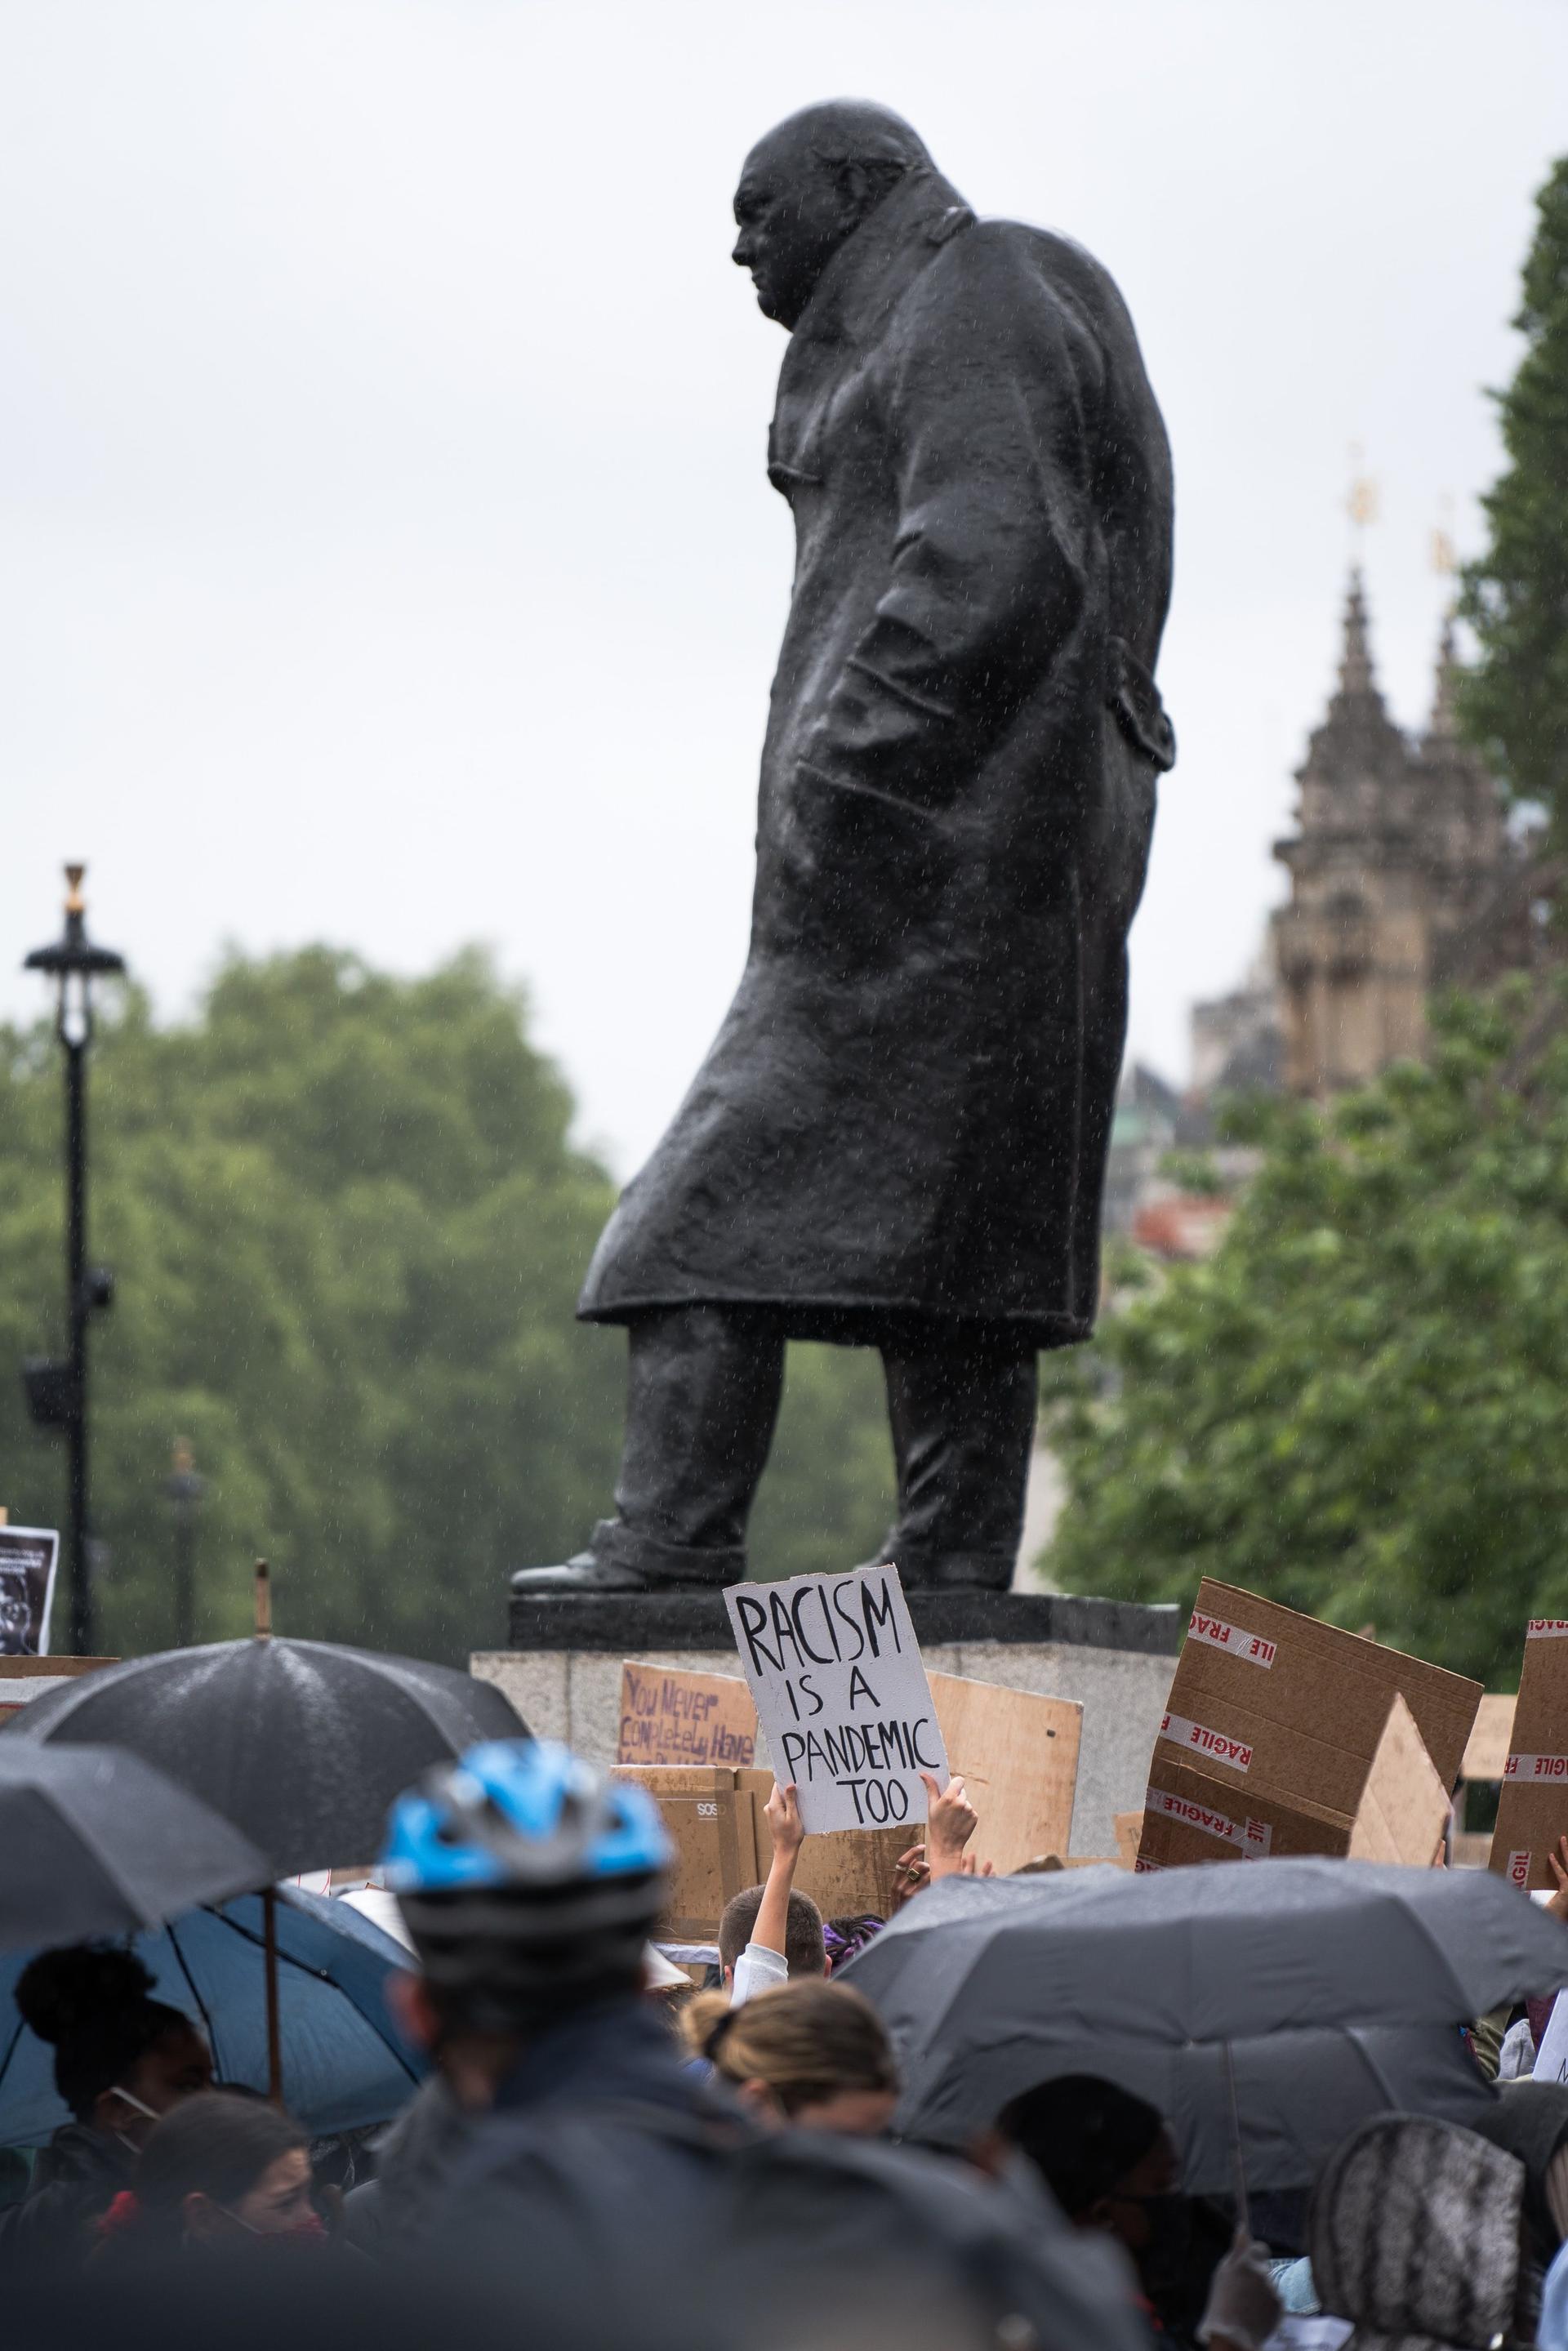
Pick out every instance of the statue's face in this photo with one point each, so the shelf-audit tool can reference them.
(793, 214)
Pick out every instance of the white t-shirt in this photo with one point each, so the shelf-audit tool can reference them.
(758, 1970)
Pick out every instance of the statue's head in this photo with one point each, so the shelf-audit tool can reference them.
(807, 186)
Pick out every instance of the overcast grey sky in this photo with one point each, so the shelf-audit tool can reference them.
(386, 554)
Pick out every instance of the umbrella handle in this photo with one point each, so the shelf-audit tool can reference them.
(274, 2046)
(1237, 2163)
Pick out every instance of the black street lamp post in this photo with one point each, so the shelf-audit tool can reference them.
(56, 1391)
(186, 1490)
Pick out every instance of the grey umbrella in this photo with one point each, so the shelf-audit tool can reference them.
(1337, 1987)
(93, 1842)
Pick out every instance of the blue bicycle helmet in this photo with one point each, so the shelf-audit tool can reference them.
(528, 1880)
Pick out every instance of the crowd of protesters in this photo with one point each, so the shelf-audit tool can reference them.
(621, 2151)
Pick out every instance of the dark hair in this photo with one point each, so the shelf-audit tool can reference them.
(1082, 2134)
(804, 1946)
(808, 2041)
(842, 1937)
(214, 2143)
(91, 2000)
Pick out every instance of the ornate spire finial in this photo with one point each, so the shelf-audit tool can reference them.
(1356, 661)
(1361, 502)
(1443, 725)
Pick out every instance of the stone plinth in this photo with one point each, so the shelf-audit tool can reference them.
(563, 1669)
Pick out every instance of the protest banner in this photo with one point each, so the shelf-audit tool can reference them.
(1017, 1754)
(28, 1556)
(834, 1668)
(1532, 1805)
(670, 1715)
(1273, 1726)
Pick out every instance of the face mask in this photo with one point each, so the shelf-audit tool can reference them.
(142, 2108)
(309, 2230)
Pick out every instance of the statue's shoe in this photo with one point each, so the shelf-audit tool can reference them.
(978, 1570)
(576, 1576)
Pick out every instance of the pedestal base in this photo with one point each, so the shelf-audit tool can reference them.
(563, 1669)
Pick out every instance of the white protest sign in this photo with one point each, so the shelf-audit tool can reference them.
(834, 1668)
(1551, 2057)
(27, 1558)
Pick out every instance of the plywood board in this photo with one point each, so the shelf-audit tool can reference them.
(848, 1873)
(1017, 1754)
(711, 1825)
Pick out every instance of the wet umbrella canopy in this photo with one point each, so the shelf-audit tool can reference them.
(95, 1842)
(346, 2060)
(302, 1744)
(1339, 1988)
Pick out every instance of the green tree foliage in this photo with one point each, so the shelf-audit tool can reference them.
(1515, 703)
(349, 1224)
(1359, 1404)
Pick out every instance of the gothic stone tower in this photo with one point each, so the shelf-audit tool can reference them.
(1397, 872)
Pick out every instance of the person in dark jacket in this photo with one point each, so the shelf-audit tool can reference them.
(122, 2060)
(1529, 2120)
(604, 2178)
(529, 1887)
(898, 1137)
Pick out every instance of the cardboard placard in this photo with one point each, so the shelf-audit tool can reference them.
(1017, 1754)
(28, 1557)
(669, 1716)
(1490, 1743)
(1400, 1814)
(834, 1668)
(712, 1826)
(1249, 1662)
(1283, 1734)
(23, 1679)
(1404, 1808)
(1532, 1806)
(1129, 1828)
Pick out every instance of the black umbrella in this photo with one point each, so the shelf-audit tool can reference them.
(94, 1841)
(303, 1745)
(1337, 1987)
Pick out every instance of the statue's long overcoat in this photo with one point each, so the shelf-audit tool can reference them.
(903, 1119)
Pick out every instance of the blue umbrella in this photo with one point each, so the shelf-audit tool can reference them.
(345, 2060)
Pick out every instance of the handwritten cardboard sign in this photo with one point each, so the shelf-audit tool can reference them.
(27, 1560)
(668, 1716)
(835, 1670)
